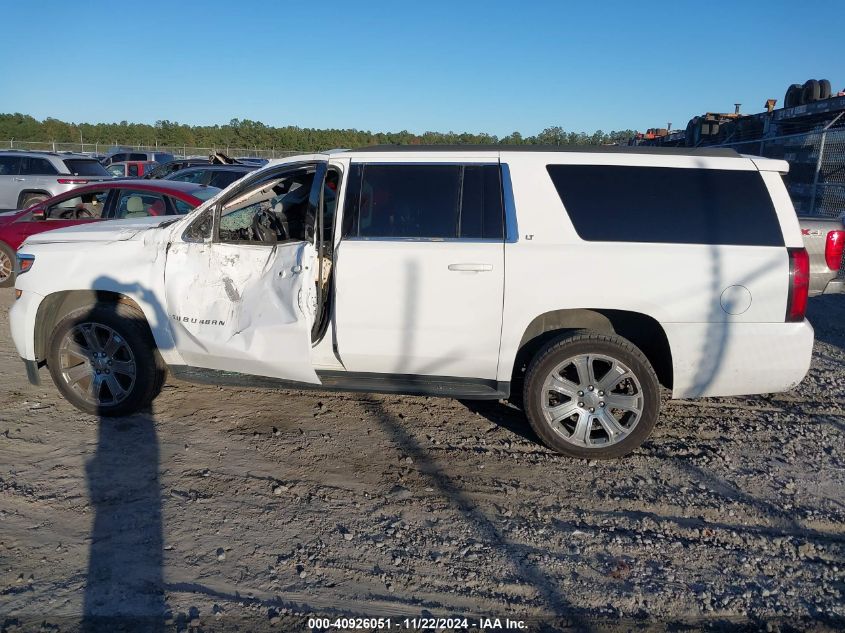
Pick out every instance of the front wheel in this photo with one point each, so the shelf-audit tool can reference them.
(592, 396)
(103, 360)
(7, 266)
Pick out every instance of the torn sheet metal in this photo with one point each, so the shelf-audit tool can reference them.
(243, 308)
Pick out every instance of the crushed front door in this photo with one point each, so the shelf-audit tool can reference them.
(243, 308)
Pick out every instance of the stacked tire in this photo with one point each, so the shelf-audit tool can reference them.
(810, 91)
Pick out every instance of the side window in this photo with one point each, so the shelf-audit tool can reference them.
(37, 167)
(413, 201)
(140, 157)
(222, 179)
(133, 170)
(9, 165)
(115, 170)
(139, 204)
(274, 209)
(200, 229)
(189, 176)
(482, 211)
(86, 205)
(424, 201)
(670, 205)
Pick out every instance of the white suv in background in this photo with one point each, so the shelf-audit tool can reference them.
(27, 178)
(575, 281)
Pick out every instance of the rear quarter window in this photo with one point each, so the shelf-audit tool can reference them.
(83, 167)
(667, 205)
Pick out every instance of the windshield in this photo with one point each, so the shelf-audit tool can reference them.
(205, 193)
(85, 167)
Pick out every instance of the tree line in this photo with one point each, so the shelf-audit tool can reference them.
(255, 134)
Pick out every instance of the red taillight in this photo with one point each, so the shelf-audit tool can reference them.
(799, 284)
(71, 181)
(833, 249)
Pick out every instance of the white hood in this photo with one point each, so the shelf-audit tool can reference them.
(106, 231)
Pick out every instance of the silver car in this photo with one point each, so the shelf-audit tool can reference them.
(30, 177)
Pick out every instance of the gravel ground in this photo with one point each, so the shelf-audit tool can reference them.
(234, 509)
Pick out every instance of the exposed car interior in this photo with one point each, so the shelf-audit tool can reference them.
(86, 205)
(274, 210)
(278, 209)
(140, 204)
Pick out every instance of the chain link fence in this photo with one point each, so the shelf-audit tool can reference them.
(176, 150)
(816, 179)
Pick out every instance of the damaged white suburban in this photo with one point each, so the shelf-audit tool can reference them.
(557, 279)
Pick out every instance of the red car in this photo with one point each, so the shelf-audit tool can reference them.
(110, 200)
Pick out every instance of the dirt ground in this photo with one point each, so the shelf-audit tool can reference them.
(234, 509)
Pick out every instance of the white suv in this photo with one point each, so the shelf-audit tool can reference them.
(573, 281)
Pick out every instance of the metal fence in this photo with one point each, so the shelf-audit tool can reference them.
(816, 179)
(176, 150)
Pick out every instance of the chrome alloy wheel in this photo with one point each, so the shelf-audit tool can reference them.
(592, 400)
(97, 363)
(6, 267)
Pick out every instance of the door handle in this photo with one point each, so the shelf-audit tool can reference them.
(471, 268)
(19, 179)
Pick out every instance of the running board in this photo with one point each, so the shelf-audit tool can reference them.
(409, 384)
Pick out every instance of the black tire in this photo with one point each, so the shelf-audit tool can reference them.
(824, 89)
(29, 199)
(579, 343)
(7, 258)
(793, 96)
(811, 91)
(129, 323)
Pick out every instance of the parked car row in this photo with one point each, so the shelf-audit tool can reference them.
(107, 200)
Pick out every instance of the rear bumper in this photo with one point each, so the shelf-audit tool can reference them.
(734, 359)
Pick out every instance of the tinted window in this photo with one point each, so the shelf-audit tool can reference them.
(137, 157)
(9, 165)
(481, 203)
(671, 205)
(133, 170)
(37, 166)
(85, 167)
(223, 179)
(424, 201)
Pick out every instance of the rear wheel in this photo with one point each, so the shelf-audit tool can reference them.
(103, 360)
(7, 266)
(29, 199)
(592, 396)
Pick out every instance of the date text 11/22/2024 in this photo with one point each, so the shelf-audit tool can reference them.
(416, 624)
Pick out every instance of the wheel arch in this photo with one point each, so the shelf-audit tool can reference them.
(54, 307)
(26, 192)
(641, 329)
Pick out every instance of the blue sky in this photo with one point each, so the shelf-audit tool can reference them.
(460, 66)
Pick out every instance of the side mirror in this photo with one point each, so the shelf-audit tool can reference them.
(39, 213)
